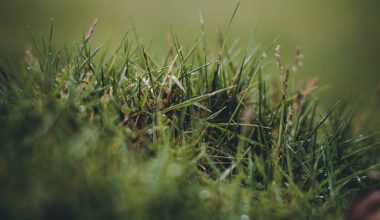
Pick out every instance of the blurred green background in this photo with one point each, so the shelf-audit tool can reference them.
(340, 39)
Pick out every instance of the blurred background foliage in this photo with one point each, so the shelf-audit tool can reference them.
(340, 39)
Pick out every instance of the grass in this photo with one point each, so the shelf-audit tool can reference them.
(182, 135)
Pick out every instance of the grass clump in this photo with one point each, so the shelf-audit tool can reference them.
(187, 135)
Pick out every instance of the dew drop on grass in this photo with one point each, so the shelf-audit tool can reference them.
(358, 179)
(320, 197)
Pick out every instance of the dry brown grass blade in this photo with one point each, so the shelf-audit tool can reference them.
(307, 91)
(90, 31)
(285, 84)
(311, 85)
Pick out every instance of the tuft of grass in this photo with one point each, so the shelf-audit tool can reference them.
(182, 135)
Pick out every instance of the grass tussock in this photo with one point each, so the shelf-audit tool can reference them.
(182, 135)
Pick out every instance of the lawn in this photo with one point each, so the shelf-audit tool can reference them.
(90, 132)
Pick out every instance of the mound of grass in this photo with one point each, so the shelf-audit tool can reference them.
(182, 135)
